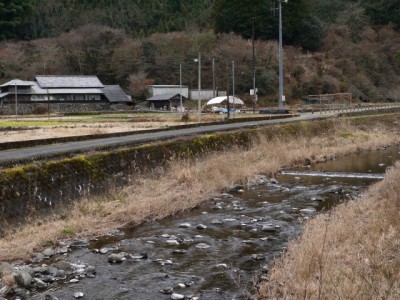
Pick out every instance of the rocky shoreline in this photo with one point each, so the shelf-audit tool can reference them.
(19, 281)
(57, 266)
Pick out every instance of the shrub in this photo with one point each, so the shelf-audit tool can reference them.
(185, 117)
(40, 109)
(68, 231)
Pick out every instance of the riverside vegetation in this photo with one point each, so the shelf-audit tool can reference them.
(348, 253)
(164, 192)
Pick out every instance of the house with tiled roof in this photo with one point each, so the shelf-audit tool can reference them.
(62, 89)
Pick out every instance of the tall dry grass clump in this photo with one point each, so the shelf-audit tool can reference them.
(350, 253)
(184, 184)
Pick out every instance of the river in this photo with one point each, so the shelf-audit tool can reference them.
(221, 249)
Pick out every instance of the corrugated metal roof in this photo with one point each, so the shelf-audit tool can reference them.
(164, 97)
(36, 89)
(167, 86)
(114, 93)
(18, 83)
(69, 82)
(2, 95)
(74, 91)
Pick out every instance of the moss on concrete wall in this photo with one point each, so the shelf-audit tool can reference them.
(43, 187)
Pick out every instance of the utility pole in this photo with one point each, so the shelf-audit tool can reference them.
(213, 76)
(254, 70)
(227, 88)
(48, 104)
(199, 87)
(233, 87)
(180, 87)
(16, 101)
(281, 96)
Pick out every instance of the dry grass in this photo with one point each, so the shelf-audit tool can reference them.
(183, 185)
(350, 253)
(55, 127)
(46, 132)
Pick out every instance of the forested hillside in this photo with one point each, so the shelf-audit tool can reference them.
(330, 45)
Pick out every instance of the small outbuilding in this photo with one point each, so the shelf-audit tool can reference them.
(220, 105)
(222, 99)
(166, 101)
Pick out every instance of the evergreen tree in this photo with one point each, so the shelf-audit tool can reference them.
(383, 12)
(238, 15)
(137, 17)
(13, 18)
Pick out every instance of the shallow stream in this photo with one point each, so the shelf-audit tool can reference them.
(221, 249)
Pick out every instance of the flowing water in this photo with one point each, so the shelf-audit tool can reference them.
(218, 250)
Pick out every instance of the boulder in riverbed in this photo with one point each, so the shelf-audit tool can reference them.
(23, 279)
(116, 258)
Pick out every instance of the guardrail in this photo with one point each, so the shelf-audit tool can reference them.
(345, 109)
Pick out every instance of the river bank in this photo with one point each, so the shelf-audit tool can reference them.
(182, 185)
(164, 191)
(350, 252)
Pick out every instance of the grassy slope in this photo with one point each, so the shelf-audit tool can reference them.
(350, 253)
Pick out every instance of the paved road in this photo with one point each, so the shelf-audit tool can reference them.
(32, 153)
(38, 152)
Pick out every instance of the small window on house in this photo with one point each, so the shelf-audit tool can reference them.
(79, 97)
(93, 97)
(38, 97)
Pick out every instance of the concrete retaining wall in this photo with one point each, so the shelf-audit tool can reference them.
(45, 187)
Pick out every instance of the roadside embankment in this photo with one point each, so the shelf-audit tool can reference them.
(64, 135)
(352, 252)
(162, 179)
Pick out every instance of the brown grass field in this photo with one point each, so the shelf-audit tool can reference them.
(36, 127)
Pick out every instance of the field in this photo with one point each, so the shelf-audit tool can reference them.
(43, 127)
(28, 128)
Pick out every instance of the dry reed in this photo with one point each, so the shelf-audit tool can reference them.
(350, 253)
(183, 185)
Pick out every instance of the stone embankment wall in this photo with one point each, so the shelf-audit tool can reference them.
(34, 108)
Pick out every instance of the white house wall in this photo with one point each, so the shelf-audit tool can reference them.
(205, 94)
(154, 91)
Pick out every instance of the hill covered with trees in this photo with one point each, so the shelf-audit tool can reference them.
(330, 45)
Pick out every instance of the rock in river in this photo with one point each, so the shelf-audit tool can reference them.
(116, 258)
(5, 268)
(177, 297)
(202, 246)
(308, 211)
(90, 270)
(269, 228)
(216, 222)
(63, 265)
(172, 242)
(23, 279)
(78, 295)
(201, 226)
(49, 252)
